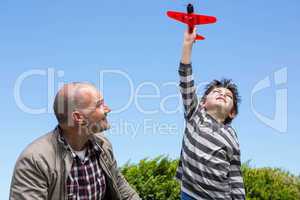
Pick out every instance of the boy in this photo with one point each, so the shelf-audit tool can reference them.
(209, 166)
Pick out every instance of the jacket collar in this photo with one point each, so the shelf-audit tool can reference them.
(92, 144)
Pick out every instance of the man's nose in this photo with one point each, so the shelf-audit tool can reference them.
(106, 109)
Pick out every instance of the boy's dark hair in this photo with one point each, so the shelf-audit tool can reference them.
(228, 84)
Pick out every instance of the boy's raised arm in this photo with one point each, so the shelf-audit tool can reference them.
(187, 85)
(188, 41)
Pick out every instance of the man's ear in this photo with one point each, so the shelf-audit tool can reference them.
(78, 118)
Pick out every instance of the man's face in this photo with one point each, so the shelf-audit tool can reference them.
(220, 99)
(96, 111)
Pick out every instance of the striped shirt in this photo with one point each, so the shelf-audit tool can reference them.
(209, 166)
(86, 180)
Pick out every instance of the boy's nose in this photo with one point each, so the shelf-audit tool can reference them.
(222, 94)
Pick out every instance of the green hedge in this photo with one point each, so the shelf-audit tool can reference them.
(154, 179)
(269, 183)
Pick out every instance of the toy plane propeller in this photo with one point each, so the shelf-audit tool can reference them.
(192, 19)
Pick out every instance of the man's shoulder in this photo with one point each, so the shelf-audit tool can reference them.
(41, 147)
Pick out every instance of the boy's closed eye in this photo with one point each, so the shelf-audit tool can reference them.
(217, 91)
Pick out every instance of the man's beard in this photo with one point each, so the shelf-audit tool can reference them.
(95, 127)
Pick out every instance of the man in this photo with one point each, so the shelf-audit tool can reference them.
(75, 160)
(209, 166)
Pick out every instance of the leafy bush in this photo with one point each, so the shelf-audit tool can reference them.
(154, 180)
(268, 183)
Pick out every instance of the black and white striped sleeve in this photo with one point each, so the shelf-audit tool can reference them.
(187, 90)
(235, 175)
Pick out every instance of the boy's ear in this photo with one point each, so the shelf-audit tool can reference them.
(232, 113)
(202, 102)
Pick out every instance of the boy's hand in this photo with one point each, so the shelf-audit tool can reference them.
(189, 38)
(188, 41)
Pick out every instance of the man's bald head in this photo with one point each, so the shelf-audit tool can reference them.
(71, 97)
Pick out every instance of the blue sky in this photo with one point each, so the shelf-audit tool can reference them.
(134, 50)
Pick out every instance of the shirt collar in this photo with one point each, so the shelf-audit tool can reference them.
(92, 147)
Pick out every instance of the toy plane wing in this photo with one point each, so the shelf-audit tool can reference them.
(191, 19)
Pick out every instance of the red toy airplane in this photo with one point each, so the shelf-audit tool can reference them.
(192, 19)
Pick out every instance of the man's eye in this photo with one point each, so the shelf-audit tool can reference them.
(100, 105)
(230, 96)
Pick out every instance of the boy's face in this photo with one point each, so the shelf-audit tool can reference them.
(222, 100)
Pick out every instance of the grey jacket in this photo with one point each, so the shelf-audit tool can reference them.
(42, 169)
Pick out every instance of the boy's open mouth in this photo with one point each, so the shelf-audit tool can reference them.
(221, 98)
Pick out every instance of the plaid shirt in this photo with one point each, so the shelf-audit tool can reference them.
(86, 180)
